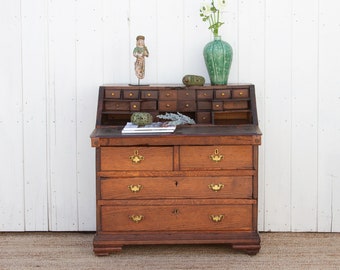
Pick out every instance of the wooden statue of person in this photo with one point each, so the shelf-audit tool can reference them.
(140, 52)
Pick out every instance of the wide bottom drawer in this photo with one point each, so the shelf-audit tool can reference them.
(176, 218)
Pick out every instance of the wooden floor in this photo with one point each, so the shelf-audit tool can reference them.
(74, 251)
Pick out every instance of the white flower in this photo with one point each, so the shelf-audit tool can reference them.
(206, 9)
(220, 4)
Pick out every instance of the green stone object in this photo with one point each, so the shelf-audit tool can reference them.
(218, 56)
(193, 80)
(141, 118)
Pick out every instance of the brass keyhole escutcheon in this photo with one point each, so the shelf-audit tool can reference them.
(175, 211)
(216, 157)
(136, 157)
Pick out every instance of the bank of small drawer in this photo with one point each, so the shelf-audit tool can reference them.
(118, 105)
(203, 117)
(168, 94)
(216, 157)
(175, 217)
(204, 94)
(240, 93)
(186, 94)
(236, 105)
(131, 94)
(233, 187)
(149, 94)
(167, 106)
(112, 93)
(149, 105)
(136, 158)
(186, 105)
(222, 94)
(203, 105)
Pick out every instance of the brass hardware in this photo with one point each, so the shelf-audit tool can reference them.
(149, 95)
(130, 94)
(204, 118)
(167, 94)
(187, 94)
(136, 158)
(216, 218)
(216, 187)
(187, 105)
(134, 106)
(241, 93)
(117, 105)
(113, 94)
(135, 188)
(217, 105)
(217, 157)
(167, 105)
(223, 94)
(136, 218)
(205, 94)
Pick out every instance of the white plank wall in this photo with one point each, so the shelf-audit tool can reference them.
(54, 54)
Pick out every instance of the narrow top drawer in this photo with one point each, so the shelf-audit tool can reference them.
(136, 158)
(112, 93)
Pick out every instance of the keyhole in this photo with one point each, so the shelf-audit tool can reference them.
(176, 183)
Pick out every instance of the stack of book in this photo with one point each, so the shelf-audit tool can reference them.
(157, 127)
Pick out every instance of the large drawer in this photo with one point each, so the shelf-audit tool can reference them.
(176, 218)
(136, 158)
(216, 157)
(176, 187)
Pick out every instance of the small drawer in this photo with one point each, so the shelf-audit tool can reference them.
(150, 105)
(204, 94)
(222, 94)
(176, 217)
(135, 106)
(240, 93)
(149, 94)
(216, 157)
(167, 106)
(204, 105)
(203, 117)
(168, 94)
(233, 187)
(112, 93)
(117, 105)
(236, 105)
(217, 106)
(131, 94)
(186, 106)
(186, 95)
(136, 158)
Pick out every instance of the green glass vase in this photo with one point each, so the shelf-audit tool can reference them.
(218, 56)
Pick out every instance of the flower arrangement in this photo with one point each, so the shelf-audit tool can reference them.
(211, 13)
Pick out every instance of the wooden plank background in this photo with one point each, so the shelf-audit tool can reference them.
(54, 54)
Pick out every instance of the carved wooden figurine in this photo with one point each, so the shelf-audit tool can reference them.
(140, 52)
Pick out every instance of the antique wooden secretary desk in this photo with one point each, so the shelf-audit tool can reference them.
(197, 185)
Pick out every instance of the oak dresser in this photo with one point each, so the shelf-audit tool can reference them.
(197, 185)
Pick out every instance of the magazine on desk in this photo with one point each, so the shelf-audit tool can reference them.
(156, 127)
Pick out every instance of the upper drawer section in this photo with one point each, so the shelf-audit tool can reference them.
(136, 158)
(216, 157)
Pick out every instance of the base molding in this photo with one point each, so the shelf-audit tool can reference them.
(105, 243)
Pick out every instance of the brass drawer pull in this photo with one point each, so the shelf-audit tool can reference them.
(135, 188)
(216, 218)
(136, 218)
(216, 187)
(136, 158)
(217, 157)
(130, 94)
(113, 94)
(241, 93)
